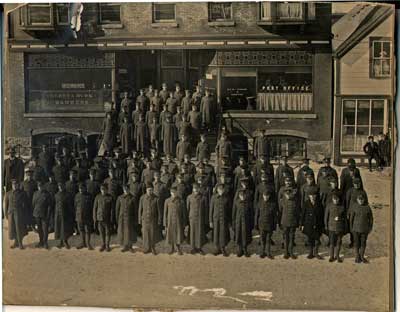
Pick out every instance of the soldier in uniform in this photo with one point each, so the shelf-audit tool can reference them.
(312, 222)
(203, 148)
(283, 167)
(160, 189)
(150, 115)
(150, 218)
(242, 215)
(79, 143)
(135, 115)
(13, 169)
(166, 177)
(186, 102)
(220, 219)
(265, 220)
(126, 136)
(185, 128)
(114, 189)
(109, 133)
(154, 133)
(29, 186)
(172, 103)
(164, 114)
(307, 188)
(197, 207)
(81, 172)
(71, 186)
(16, 211)
(46, 160)
(164, 93)
(208, 110)
(361, 221)
(100, 169)
(175, 221)
(83, 205)
(302, 173)
(38, 172)
(42, 205)
(143, 101)
(177, 118)
(147, 175)
(64, 216)
(261, 188)
(327, 167)
(141, 136)
(156, 101)
(155, 161)
(261, 146)
(182, 188)
(289, 219)
(209, 171)
(150, 92)
(60, 171)
(371, 149)
(169, 136)
(348, 174)
(182, 148)
(223, 148)
(92, 185)
(178, 95)
(197, 96)
(127, 208)
(335, 224)
(127, 103)
(103, 216)
(67, 158)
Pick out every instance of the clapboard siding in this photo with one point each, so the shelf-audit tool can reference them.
(354, 66)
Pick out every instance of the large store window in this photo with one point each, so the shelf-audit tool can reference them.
(290, 146)
(285, 89)
(360, 119)
(60, 83)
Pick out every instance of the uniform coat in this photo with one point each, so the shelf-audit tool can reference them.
(290, 212)
(223, 149)
(150, 217)
(197, 208)
(266, 215)
(141, 136)
(202, 151)
(42, 205)
(279, 179)
(312, 219)
(16, 210)
(175, 220)
(261, 146)
(127, 208)
(92, 187)
(172, 103)
(46, 161)
(346, 180)
(102, 209)
(143, 103)
(335, 218)
(182, 148)
(108, 134)
(361, 219)
(169, 136)
(126, 137)
(242, 220)
(83, 209)
(186, 104)
(207, 109)
(330, 172)
(60, 173)
(13, 169)
(64, 216)
(194, 118)
(220, 217)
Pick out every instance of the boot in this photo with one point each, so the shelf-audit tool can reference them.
(316, 253)
(60, 244)
(153, 251)
(246, 253)
(240, 251)
(201, 252)
(103, 247)
(108, 239)
(39, 245)
(67, 244)
(15, 245)
(269, 254)
(45, 245)
(262, 251)
(362, 252)
(337, 254)
(224, 252)
(217, 252)
(172, 250)
(311, 252)
(193, 251)
(125, 249)
(88, 241)
(83, 241)
(179, 250)
(331, 250)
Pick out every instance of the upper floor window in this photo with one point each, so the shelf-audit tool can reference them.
(286, 11)
(164, 12)
(380, 57)
(110, 13)
(62, 14)
(219, 11)
(39, 14)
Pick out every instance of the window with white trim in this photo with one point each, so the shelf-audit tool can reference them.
(219, 11)
(380, 58)
(62, 13)
(164, 12)
(360, 119)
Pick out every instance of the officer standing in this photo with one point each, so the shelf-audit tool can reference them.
(102, 216)
(242, 215)
(83, 204)
(64, 216)
(42, 205)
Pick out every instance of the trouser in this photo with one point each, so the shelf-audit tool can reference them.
(266, 242)
(377, 160)
(313, 244)
(289, 233)
(85, 231)
(105, 233)
(360, 243)
(335, 243)
(43, 230)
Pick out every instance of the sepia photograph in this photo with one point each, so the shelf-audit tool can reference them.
(199, 155)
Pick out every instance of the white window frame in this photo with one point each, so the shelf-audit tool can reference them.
(58, 5)
(42, 5)
(342, 125)
(380, 58)
(163, 20)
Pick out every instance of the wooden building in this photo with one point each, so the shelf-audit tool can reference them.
(364, 85)
(269, 65)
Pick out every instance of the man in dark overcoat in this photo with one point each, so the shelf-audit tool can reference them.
(13, 169)
(208, 110)
(29, 186)
(327, 167)
(197, 207)
(142, 138)
(16, 211)
(348, 174)
(127, 208)
(261, 146)
(83, 204)
(169, 135)
(175, 221)
(182, 148)
(63, 216)
(242, 221)
(220, 219)
(46, 160)
(283, 169)
(42, 205)
(143, 101)
(150, 218)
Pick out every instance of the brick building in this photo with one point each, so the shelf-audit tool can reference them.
(268, 64)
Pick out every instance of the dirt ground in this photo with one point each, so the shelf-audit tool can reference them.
(90, 278)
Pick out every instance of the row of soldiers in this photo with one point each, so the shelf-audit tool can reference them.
(158, 198)
(163, 116)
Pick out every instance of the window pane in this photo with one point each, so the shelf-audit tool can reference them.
(377, 49)
(39, 14)
(349, 112)
(265, 9)
(62, 13)
(164, 11)
(348, 138)
(171, 58)
(377, 112)
(220, 11)
(376, 130)
(110, 13)
(363, 112)
(361, 137)
(386, 49)
(290, 10)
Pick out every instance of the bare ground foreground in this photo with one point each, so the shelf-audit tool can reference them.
(90, 278)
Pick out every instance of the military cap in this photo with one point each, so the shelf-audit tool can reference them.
(288, 179)
(268, 191)
(82, 185)
(157, 173)
(284, 157)
(173, 189)
(196, 185)
(149, 185)
(244, 179)
(220, 185)
(125, 185)
(103, 186)
(241, 192)
(60, 183)
(336, 193)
